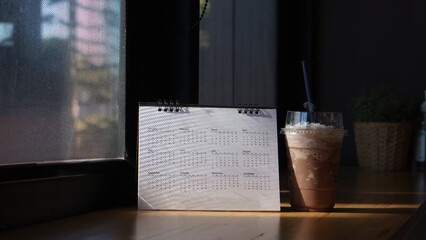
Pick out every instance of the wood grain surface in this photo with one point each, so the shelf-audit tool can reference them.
(369, 205)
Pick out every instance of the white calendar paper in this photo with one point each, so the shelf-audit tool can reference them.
(206, 158)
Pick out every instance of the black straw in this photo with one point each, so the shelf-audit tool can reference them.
(308, 91)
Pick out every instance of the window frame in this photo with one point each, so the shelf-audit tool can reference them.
(18, 181)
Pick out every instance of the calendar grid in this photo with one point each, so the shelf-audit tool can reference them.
(188, 157)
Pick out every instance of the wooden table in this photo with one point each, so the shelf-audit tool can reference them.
(369, 205)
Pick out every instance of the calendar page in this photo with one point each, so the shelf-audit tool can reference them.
(206, 158)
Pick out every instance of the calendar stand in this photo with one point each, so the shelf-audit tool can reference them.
(207, 158)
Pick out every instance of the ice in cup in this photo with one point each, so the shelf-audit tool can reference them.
(314, 143)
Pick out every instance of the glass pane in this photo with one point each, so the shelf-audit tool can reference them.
(61, 91)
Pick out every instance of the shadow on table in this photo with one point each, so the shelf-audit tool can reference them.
(363, 210)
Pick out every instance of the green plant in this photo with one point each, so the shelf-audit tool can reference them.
(381, 105)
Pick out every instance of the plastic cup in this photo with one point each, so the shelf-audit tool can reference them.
(314, 143)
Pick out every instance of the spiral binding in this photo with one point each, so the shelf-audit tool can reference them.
(168, 105)
(175, 106)
(249, 108)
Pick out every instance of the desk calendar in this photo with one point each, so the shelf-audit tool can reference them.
(207, 158)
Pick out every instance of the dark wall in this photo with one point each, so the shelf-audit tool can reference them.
(295, 43)
(365, 44)
(161, 56)
(162, 50)
(350, 46)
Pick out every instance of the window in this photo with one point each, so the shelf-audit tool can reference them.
(62, 94)
(6, 30)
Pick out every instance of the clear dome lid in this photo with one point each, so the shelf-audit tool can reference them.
(318, 123)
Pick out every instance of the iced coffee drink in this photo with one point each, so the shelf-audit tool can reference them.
(313, 151)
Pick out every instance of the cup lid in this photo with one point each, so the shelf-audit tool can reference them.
(313, 131)
(314, 120)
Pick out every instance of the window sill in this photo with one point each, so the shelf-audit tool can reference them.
(36, 193)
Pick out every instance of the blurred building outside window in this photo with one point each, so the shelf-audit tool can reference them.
(61, 93)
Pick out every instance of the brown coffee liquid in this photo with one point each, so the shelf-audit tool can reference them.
(313, 168)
